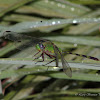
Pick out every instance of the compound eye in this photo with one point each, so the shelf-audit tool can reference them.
(41, 46)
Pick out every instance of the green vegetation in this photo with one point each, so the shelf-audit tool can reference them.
(72, 25)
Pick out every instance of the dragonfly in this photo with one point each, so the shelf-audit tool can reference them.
(46, 47)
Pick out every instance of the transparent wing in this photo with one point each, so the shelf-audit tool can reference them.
(22, 41)
(56, 55)
(66, 67)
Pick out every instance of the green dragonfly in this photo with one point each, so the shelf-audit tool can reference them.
(46, 47)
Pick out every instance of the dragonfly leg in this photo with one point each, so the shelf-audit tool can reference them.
(42, 58)
(35, 54)
(37, 57)
(48, 63)
(50, 56)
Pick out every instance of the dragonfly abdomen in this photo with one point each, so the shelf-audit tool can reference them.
(89, 57)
